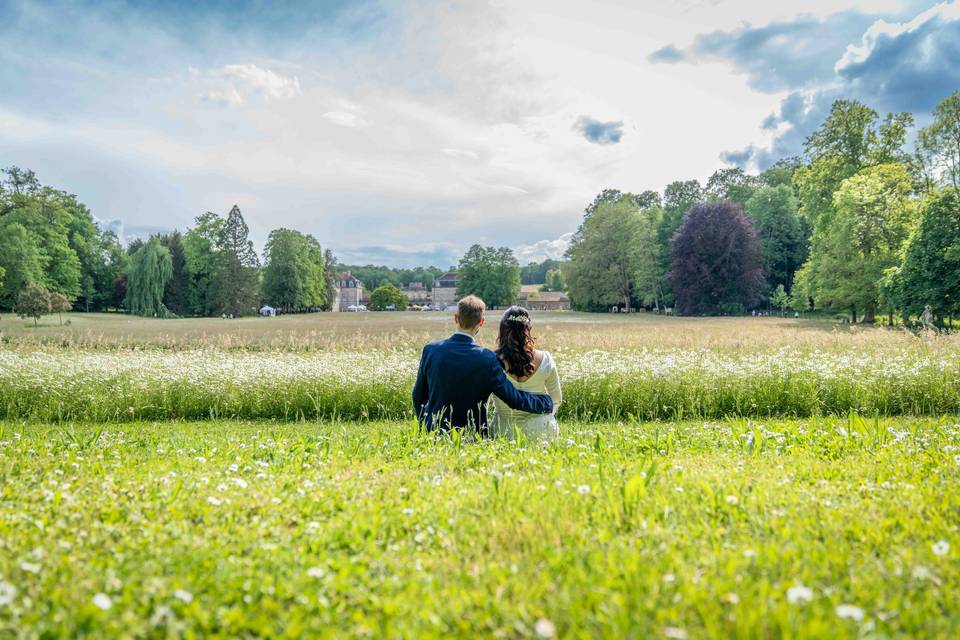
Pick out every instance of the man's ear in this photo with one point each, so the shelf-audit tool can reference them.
(482, 320)
(456, 318)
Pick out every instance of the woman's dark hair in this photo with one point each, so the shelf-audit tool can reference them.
(515, 343)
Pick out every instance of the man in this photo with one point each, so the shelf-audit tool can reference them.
(457, 375)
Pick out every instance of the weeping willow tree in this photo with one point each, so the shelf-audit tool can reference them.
(150, 269)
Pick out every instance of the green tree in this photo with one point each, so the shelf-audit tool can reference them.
(33, 302)
(150, 270)
(491, 273)
(387, 295)
(860, 239)
(731, 184)
(294, 277)
(554, 281)
(330, 276)
(940, 142)
(176, 293)
(781, 299)
(930, 273)
(603, 256)
(774, 212)
(237, 288)
(201, 252)
(20, 260)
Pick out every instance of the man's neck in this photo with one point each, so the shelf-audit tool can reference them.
(469, 334)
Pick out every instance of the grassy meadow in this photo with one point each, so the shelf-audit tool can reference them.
(722, 477)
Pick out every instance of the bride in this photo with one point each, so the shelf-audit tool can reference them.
(529, 370)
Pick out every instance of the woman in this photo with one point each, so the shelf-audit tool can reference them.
(529, 370)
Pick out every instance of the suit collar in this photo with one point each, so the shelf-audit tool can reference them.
(462, 336)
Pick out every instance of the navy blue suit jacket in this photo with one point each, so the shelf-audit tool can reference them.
(455, 379)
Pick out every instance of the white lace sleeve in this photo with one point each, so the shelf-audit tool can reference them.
(553, 382)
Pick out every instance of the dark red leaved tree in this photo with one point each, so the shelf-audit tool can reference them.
(717, 261)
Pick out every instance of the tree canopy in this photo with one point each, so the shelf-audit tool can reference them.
(491, 273)
(717, 261)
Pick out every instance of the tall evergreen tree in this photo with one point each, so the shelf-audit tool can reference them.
(238, 280)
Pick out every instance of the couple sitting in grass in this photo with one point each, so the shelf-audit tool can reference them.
(457, 378)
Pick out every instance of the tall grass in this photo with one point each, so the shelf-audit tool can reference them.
(55, 386)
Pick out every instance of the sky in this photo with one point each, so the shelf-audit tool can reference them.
(401, 133)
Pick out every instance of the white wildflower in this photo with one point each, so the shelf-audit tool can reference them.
(215, 501)
(102, 601)
(183, 596)
(799, 593)
(849, 612)
(316, 572)
(732, 500)
(545, 628)
(30, 567)
(7, 593)
(941, 548)
(675, 632)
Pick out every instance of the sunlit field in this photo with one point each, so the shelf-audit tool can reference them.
(358, 331)
(716, 477)
(813, 528)
(362, 366)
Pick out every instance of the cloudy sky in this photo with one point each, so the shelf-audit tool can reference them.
(402, 132)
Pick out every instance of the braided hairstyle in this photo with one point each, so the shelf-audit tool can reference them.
(515, 343)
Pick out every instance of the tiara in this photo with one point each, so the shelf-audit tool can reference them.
(519, 319)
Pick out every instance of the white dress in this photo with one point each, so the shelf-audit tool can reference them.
(506, 422)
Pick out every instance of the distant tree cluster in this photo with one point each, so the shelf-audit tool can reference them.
(49, 239)
(858, 225)
(536, 272)
(54, 256)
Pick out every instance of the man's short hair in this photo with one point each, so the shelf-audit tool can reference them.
(470, 312)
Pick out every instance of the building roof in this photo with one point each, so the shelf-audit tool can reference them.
(346, 275)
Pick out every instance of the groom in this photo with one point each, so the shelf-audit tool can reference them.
(457, 375)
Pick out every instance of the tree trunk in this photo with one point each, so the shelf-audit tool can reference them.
(853, 315)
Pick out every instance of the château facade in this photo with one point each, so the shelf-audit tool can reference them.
(445, 290)
(349, 292)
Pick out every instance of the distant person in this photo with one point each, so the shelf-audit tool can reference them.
(457, 376)
(528, 369)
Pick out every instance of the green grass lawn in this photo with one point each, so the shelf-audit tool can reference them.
(809, 528)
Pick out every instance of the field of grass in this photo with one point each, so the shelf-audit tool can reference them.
(813, 528)
(724, 477)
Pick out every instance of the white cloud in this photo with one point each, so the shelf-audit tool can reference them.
(344, 119)
(235, 84)
(452, 125)
(543, 249)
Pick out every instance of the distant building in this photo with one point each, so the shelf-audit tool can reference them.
(349, 292)
(417, 294)
(445, 290)
(544, 301)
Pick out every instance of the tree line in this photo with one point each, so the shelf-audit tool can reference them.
(859, 224)
(54, 255)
